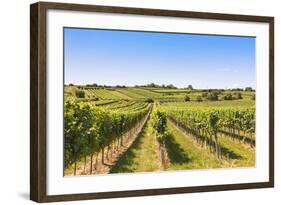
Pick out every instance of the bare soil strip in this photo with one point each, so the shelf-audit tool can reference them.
(163, 157)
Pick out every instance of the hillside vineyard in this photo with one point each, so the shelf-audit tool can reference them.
(146, 129)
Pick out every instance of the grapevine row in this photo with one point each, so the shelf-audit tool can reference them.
(88, 130)
(206, 124)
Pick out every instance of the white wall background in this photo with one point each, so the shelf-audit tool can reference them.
(14, 101)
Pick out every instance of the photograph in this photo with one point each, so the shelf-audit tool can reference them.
(148, 101)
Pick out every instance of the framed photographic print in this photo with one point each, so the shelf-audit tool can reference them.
(134, 102)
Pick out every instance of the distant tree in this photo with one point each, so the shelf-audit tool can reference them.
(80, 93)
(92, 85)
(120, 86)
(71, 84)
(253, 97)
(171, 86)
(228, 97)
(149, 100)
(239, 96)
(152, 85)
(199, 99)
(190, 87)
(248, 89)
(213, 96)
(237, 89)
(204, 94)
(216, 91)
(163, 86)
(186, 98)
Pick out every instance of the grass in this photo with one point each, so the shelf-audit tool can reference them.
(240, 155)
(141, 156)
(247, 154)
(176, 153)
(184, 154)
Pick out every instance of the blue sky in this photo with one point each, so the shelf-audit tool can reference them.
(135, 58)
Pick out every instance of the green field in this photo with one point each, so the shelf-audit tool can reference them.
(145, 129)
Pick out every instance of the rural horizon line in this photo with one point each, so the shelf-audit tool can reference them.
(158, 86)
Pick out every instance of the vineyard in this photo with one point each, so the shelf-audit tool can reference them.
(145, 129)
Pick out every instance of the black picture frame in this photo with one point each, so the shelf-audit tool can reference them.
(38, 102)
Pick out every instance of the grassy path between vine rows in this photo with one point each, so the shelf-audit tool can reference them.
(245, 152)
(142, 155)
(200, 158)
(185, 153)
